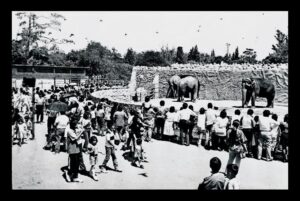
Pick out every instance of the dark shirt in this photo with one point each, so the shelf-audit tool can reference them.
(213, 182)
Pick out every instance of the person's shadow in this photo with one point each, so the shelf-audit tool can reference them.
(128, 156)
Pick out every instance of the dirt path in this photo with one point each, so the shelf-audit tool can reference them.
(171, 166)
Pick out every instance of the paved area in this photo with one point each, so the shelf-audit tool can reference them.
(170, 166)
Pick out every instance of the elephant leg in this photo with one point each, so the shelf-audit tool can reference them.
(168, 92)
(270, 102)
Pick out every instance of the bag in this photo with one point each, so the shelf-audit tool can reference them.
(116, 139)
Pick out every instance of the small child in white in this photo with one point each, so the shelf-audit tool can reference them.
(28, 126)
(231, 182)
(21, 131)
(93, 153)
(139, 154)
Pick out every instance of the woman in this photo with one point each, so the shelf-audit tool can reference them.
(219, 136)
(171, 117)
(236, 141)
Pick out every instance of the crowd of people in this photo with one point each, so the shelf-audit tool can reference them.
(73, 127)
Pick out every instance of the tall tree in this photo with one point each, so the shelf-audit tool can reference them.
(212, 56)
(37, 31)
(168, 54)
(280, 50)
(151, 58)
(249, 56)
(130, 56)
(180, 55)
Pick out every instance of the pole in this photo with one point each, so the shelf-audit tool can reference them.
(33, 113)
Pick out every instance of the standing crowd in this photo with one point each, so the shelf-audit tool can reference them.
(76, 121)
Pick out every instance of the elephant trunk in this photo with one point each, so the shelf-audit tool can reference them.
(244, 91)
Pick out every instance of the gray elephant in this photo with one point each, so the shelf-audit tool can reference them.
(173, 83)
(258, 87)
(188, 85)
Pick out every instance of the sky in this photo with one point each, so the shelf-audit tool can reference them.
(147, 30)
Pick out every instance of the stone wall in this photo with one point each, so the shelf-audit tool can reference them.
(219, 82)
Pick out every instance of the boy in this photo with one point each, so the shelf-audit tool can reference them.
(110, 148)
(216, 180)
(201, 126)
(231, 182)
(138, 154)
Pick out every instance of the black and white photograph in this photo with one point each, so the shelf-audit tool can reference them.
(194, 100)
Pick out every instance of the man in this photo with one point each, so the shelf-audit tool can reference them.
(60, 124)
(184, 116)
(216, 180)
(210, 120)
(40, 102)
(160, 119)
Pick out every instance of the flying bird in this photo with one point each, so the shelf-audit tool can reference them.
(125, 34)
(49, 33)
(71, 35)
(263, 13)
(198, 30)
(101, 20)
(156, 32)
(59, 29)
(243, 38)
(221, 18)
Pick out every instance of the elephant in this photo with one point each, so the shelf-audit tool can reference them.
(188, 85)
(258, 87)
(173, 82)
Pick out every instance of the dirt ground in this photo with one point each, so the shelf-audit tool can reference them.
(170, 165)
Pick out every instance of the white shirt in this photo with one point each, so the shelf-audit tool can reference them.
(235, 117)
(232, 184)
(221, 126)
(210, 116)
(185, 114)
(201, 121)
(61, 121)
(247, 121)
(274, 130)
(265, 123)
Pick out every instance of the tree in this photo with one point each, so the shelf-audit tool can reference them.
(168, 54)
(180, 55)
(212, 56)
(194, 54)
(37, 30)
(130, 57)
(280, 50)
(235, 55)
(151, 58)
(249, 56)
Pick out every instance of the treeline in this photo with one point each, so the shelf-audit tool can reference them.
(35, 46)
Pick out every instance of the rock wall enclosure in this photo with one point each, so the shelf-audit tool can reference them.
(219, 82)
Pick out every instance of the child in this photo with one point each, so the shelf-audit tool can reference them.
(236, 116)
(201, 126)
(231, 182)
(149, 120)
(284, 138)
(110, 148)
(93, 117)
(274, 132)
(138, 154)
(21, 131)
(216, 180)
(93, 152)
(28, 126)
